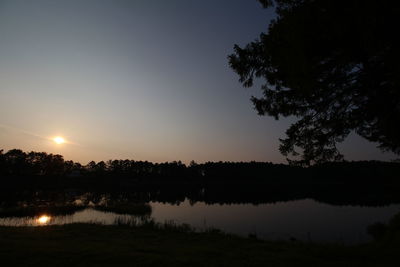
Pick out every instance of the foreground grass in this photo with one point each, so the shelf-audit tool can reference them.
(96, 245)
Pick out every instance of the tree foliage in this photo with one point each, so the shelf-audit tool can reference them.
(332, 64)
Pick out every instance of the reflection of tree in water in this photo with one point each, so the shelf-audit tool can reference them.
(124, 185)
(66, 202)
(31, 204)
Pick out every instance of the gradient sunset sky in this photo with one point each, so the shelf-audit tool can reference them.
(140, 79)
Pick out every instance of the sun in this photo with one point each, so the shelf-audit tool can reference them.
(59, 140)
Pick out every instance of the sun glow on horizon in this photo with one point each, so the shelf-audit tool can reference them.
(59, 140)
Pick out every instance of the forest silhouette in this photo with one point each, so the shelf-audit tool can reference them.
(333, 66)
(370, 183)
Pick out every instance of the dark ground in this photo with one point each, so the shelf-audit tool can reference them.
(96, 245)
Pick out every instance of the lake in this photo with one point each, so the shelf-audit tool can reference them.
(306, 219)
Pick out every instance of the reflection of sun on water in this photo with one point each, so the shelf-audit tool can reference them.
(44, 219)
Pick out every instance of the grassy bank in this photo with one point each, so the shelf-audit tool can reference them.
(96, 245)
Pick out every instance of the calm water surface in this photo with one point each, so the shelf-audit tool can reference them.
(302, 219)
(306, 219)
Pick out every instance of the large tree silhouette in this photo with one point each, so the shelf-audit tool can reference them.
(332, 64)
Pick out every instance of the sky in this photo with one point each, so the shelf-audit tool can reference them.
(141, 79)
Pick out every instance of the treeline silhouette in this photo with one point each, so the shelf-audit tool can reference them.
(16, 162)
(339, 183)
